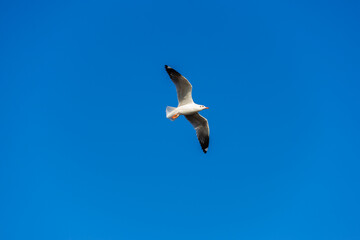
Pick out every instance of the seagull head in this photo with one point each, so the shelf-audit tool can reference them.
(202, 107)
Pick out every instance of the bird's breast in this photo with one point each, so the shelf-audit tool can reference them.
(187, 110)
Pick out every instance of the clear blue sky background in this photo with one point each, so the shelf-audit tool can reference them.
(87, 153)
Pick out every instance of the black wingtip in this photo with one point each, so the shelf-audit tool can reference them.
(204, 144)
(166, 66)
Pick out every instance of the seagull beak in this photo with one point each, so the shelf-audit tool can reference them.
(206, 108)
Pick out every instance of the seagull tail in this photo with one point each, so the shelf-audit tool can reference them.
(170, 111)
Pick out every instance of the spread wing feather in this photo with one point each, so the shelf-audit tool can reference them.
(202, 129)
(183, 86)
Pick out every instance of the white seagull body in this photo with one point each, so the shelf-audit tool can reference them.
(188, 108)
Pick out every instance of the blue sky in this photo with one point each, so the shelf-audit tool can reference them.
(87, 153)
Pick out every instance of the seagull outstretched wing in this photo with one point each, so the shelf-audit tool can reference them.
(183, 86)
(202, 129)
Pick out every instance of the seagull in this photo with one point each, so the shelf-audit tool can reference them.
(188, 108)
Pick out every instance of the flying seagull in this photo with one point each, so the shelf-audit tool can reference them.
(188, 108)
